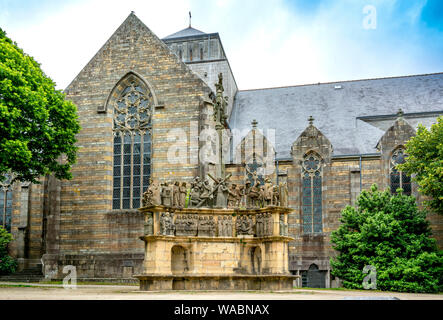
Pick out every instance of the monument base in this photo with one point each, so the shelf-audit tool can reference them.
(151, 282)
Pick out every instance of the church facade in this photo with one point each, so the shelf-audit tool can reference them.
(145, 108)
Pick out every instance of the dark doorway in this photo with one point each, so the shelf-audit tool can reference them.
(313, 277)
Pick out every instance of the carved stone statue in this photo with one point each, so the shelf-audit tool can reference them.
(244, 225)
(275, 196)
(149, 225)
(283, 226)
(228, 226)
(254, 195)
(268, 225)
(166, 194)
(195, 195)
(248, 199)
(259, 225)
(267, 192)
(167, 224)
(176, 194)
(283, 193)
(240, 195)
(151, 197)
(148, 196)
(156, 193)
(222, 192)
(232, 196)
(221, 226)
(206, 194)
(182, 195)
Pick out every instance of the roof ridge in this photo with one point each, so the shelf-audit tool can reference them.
(173, 35)
(344, 81)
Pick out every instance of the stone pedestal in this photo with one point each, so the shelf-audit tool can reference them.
(215, 249)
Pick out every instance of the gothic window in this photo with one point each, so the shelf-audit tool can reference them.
(398, 178)
(312, 194)
(132, 145)
(201, 53)
(190, 54)
(180, 54)
(6, 204)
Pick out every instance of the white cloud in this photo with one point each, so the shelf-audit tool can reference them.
(268, 44)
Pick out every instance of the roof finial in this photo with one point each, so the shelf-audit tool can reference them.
(400, 113)
(190, 17)
(311, 120)
(132, 12)
(254, 124)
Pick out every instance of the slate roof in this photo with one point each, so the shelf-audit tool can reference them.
(335, 111)
(188, 32)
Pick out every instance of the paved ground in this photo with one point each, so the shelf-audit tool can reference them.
(26, 291)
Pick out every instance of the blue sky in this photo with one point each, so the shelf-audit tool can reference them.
(268, 42)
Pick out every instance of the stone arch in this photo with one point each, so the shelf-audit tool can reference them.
(179, 260)
(395, 137)
(257, 153)
(256, 260)
(117, 90)
(398, 179)
(311, 140)
(313, 277)
(131, 103)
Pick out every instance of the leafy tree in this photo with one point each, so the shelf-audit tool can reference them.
(425, 161)
(7, 263)
(390, 233)
(37, 125)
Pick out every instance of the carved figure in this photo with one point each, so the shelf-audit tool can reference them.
(167, 224)
(149, 225)
(156, 193)
(166, 194)
(259, 225)
(176, 194)
(275, 196)
(232, 196)
(267, 192)
(206, 193)
(182, 195)
(148, 196)
(283, 194)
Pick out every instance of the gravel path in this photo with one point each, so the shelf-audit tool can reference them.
(11, 291)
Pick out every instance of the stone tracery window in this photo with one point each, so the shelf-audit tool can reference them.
(132, 145)
(6, 204)
(399, 179)
(312, 194)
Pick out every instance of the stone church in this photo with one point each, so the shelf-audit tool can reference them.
(140, 97)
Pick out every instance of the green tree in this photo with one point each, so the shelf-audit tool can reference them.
(37, 125)
(7, 263)
(390, 233)
(425, 163)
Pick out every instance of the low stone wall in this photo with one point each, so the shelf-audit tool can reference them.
(118, 265)
(121, 255)
(216, 282)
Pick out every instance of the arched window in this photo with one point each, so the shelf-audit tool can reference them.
(398, 178)
(190, 54)
(312, 194)
(6, 203)
(201, 53)
(180, 54)
(132, 144)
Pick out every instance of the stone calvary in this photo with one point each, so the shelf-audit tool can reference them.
(211, 234)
